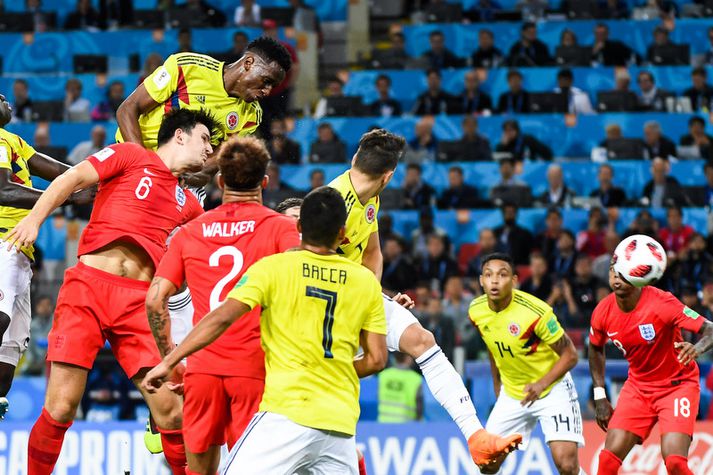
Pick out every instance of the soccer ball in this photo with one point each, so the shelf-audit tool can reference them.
(640, 260)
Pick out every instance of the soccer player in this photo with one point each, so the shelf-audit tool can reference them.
(663, 382)
(102, 298)
(211, 253)
(371, 170)
(290, 207)
(530, 358)
(18, 161)
(317, 308)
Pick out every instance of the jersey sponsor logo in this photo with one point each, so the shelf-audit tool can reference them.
(370, 213)
(690, 313)
(647, 331)
(4, 158)
(180, 196)
(231, 120)
(104, 153)
(514, 329)
(552, 325)
(162, 77)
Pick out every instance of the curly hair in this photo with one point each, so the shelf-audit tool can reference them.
(271, 50)
(243, 163)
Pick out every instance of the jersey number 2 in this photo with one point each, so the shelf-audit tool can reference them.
(214, 261)
(331, 299)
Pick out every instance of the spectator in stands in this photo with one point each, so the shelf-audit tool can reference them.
(516, 100)
(558, 193)
(84, 17)
(42, 317)
(275, 179)
(568, 38)
(385, 105)
(522, 146)
(472, 99)
(661, 38)
(612, 9)
(565, 255)
(689, 297)
(422, 148)
(417, 193)
(622, 80)
(487, 55)
(694, 263)
(539, 283)
(708, 188)
(335, 88)
(577, 100)
(106, 109)
(240, 44)
(40, 19)
(609, 52)
(700, 93)
(529, 51)
(439, 57)
(546, 241)
(316, 179)
(676, 235)
(41, 137)
(386, 228)
(283, 150)
(76, 107)
(89, 147)
(116, 13)
(185, 41)
(204, 13)
(328, 148)
(663, 190)
(697, 137)
(651, 98)
(458, 195)
(305, 18)
(506, 167)
(609, 196)
(488, 245)
(393, 57)
(515, 240)
(455, 304)
(398, 270)
(247, 14)
(426, 229)
(475, 145)
(484, 11)
(440, 326)
(435, 100)
(532, 10)
(600, 265)
(509, 188)
(22, 106)
(656, 144)
(612, 132)
(437, 266)
(152, 62)
(581, 294)
(644, 223)
(590, 241)
(709, 54)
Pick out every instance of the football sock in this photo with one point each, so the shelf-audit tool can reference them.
(362, 466)
(677, 465)
(174, 450)
(45, 444)
(447, 387)
(608, 463)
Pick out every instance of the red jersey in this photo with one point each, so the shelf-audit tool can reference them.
(675, 241)
(211, 253)
(646, 335)
(138, 201)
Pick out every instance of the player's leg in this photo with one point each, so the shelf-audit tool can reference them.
(617, 446)
(507, 417)
(677, 411)
(674, 451)
(337, 454)
(244, 396)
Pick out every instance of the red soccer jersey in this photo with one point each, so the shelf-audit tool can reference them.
(675, 241)
(211, 253)
(646, 335)
(138, 200)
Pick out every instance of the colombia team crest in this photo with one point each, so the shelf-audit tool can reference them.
(370, 213)
(231, 120)
(647, 331)
(514, 329)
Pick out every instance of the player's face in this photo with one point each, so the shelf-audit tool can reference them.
(259, 77)
(620, 287)
(5, 111)
(497, 280)
(197, 147)
(293, 212)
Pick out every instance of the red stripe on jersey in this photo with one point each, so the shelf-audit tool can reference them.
(16, 179)
(182, 89)
(532, 341)
(249, 124)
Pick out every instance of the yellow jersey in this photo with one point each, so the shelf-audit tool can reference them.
(518, 339)
(194, 81)
(313, 310)
(361, 219)
(14, 154)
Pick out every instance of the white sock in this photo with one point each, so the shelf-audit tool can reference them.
(447, 387)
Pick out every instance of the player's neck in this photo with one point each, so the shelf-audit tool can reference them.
(249, 196)
(364, 186)
(501, 305)
(321, 250)
(167, 154)
(628, 304)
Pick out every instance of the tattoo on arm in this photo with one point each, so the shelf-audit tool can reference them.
(159, 319)
(706, 341)
(560, 345)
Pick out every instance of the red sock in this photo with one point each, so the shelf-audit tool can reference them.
(45, 444)
(677, 465)
(608, 463)
(362, 465)
(174, 450)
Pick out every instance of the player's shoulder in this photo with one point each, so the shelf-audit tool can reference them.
(197, 59)
(524, 301)
(479, 307)
(341, 183)
(9, 137)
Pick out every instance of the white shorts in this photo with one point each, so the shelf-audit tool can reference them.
(558, 413)
(397, 320)
(273, 444)
(15, 277)
(180, 308)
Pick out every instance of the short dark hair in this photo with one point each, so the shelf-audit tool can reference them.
(186, 120)
(570, 234)
(602, 25)
(511, 124)
(379, 151)
(527, 25)
(184, 31)
(513, 73)
(553, 210)
(498, 256)
(699, 71)
(435, 71)
(336, 79)
(22, 81)
(315, 171)
(322, 215)
(240, 33)
(649, 74)
(487, 32)
(325, 125)
(707, 166)
(271, 50)
(696, 120)
(607, 165)
(435, 33)
(456, 169)
(383, 77)
(417, 167)
(243, 163)
(677, 209)
(565, 73)
(287, 204)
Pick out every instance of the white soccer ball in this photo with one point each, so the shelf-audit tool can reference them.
(640, 260)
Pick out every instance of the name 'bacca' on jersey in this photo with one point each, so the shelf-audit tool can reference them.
(325, 274)
(229, 229)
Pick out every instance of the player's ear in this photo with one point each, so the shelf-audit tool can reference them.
(342, 233)
(353, 160)
(299, 226)
(480, 279)
(514, 278)
(388, 176)
(249, 61)
(221, 181)
(265, 181)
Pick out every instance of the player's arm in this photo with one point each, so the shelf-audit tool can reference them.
(689, 352)
(157, 311)
(567, 360)
(497, 382)
(372, 258)
(128, 113)
(375, 354)
(76, 178)
(597, 365)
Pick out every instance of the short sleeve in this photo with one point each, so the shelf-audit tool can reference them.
(253, 288)
(26, 151)
(113, 160)
(548, 328)
(673, 311)
(286, 234)
(375, 321)
(163, 82)
(171, 266)
(597, 334)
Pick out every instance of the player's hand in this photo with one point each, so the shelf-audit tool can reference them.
(603, 412)
(22, 235)
(686, 352)
(155, 378)
(404, 300)
(83, 197)
(532, 393)
(175, 383)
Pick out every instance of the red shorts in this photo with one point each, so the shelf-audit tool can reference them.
(217, 408)
(94, 306)
(674, 407)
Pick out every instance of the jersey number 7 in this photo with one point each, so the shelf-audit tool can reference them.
(331, 299)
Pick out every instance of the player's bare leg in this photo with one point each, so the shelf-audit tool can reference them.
(447, 387)
(565, 456)
(617, 446)
(205, 463)
(674, 451)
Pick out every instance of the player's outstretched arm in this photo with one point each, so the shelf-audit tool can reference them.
(375, 354)
(597, 365)
(48, 168)
(688, 352)
(127, 115)
(157, 311)
(567, 360)
(76, 178)
(372, 258)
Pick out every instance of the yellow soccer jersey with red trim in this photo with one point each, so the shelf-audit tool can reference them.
(195, 81)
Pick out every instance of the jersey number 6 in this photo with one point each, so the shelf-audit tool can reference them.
(143, 188)
(331, 299)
